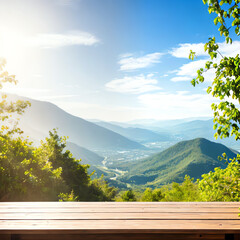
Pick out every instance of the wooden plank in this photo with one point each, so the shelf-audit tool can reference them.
(116, 204)
(5, 236)
(115, 216)
(124, 237)
(123, 209)
(237, 237)
(117, 219)
(121, 226)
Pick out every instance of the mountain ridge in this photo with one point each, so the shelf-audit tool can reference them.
(135, 133)
(193, 157)
(43, 116)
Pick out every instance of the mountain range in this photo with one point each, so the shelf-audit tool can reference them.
(201, 128)
(86, 139)
(194, 158)
(42, 117)
(137, 134)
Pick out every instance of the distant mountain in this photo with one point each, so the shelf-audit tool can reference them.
(137, 134)
(196, 128)
(86, 156)
(161, 124)
(193, 157)
(44, 116)
(201, 128)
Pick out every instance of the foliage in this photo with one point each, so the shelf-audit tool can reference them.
(105, 192)
(150, 195)
(7, 108)
(74, 173)
(227, 12)
(25, 173)
(47, 172)
(65, 197)
(185, 192)
(128, 196)
(222, 184)
(226, 84)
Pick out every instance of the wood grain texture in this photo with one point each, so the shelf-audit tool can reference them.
(177, 209)
(237, 237)
(5, 237)
(123, 237)
(113, 220)
(117, 216)
(114, 204)
(120, 225)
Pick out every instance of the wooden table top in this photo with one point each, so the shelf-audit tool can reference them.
(119, 217)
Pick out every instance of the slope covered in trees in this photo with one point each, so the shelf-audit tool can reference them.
(193, 158)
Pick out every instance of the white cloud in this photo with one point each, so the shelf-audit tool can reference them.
(46, 98)
(133, 84)
(184, 49)
(128, 62)
(180, 79)
(178, 104)
(61, 40)
(188, 71)
(229, 50)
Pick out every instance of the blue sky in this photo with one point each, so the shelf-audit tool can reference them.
(110, 59)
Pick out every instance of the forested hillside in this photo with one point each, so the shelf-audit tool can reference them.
(193, 158)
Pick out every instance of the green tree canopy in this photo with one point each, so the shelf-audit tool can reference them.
(226, 83)
(128, 196)
(8, 108)
(150, 195)
(47, 172)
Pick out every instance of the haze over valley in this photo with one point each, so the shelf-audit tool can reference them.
(132, 153)
(118, 100)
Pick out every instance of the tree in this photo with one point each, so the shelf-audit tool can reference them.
(128, 196)
(73, 173)
(226, 84)
(150, 195)
(25, 173)
(222, 184)
(47, 172)
(184, 192)
(7, 108)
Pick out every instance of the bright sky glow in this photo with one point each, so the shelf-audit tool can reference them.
(114, 60)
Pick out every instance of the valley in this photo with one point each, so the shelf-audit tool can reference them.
(133, 154)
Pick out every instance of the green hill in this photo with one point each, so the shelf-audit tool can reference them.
(193, 157)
